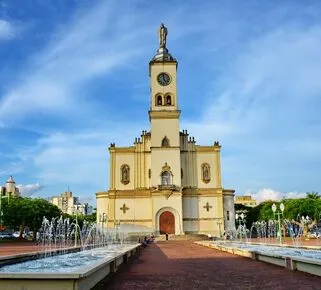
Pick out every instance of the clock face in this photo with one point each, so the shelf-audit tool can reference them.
(163, 79)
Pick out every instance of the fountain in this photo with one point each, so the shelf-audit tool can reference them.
(264, 248)
(71, 257)
(241, 231)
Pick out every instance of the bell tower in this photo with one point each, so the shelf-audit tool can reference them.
(164, 114)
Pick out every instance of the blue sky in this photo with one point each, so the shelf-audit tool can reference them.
(74, 78)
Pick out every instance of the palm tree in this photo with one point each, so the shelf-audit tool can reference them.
(313, 195)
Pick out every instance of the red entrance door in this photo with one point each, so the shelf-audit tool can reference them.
(167, 223)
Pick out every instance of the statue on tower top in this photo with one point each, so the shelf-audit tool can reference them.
(162, 52)
(162, 35)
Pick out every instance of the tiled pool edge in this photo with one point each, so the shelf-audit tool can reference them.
(83, 279)
(292, 263)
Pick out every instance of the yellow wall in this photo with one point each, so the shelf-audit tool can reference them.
(188, 161)
(156, 88)
(159, 157)
(102, 204)
(124, 158)
(144, 200)
(139, 209)
(162, 128)
(210, 158)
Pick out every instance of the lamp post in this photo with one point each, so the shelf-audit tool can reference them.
(102, 219)
(1, 211)
(219, 223)
(117, 224)
(278, 213)
(240, 218)
(306, 220)
(76, 226)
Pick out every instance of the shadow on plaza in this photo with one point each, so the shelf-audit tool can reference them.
(152, 269)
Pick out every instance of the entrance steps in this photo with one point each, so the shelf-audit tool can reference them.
(189, 237)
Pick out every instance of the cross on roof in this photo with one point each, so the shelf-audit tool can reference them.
(124, 208)
(207, 206)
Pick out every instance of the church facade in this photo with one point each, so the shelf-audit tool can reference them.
(165, 182)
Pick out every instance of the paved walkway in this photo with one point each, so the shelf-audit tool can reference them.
(185, 265)
(14, 248)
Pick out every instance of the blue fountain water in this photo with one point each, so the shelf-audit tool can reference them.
(266, 249)
(63, 263)
(58, 236)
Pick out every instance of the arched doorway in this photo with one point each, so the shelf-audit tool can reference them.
(167, 223)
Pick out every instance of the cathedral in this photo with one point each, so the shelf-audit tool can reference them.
(166, 182)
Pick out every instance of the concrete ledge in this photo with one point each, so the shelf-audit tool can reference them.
(18, 258)
(84, 278)
(292, 263)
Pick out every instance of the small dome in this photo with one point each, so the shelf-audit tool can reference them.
(163, 55)
(10, 180)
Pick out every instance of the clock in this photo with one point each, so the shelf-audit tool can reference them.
(163, 79)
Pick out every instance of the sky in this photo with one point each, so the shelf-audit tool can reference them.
(74, 78)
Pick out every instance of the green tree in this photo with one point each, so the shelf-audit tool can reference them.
(312, 195)
(266, 212)
(91, 217)
(241, 208)
(296, 208)
(21, 212)
(81, 218)
(262, 211)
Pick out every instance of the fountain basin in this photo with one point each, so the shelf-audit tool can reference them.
(290, 258)
(81, 278)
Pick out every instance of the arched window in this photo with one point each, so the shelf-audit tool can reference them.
(159, 101)
(166, 178)
(168, 100)
(206, 173)
(124, 171)
(165, 142)
(166, 175)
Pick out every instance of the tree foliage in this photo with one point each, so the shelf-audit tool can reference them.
(19, 213)
(313, 195)
(294, 209)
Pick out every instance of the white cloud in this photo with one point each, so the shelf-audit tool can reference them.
(78, 51)
(262, 106)
(266, 114)
(270, 194)
(6, 30)
(29, 189)
(80, 160)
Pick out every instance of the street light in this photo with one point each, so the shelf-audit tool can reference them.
(306, 221)
(219, 224)
(76, 226)
(1, 212)
(117, 224)
(102, 219)
(278, 213)
(240, 218)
